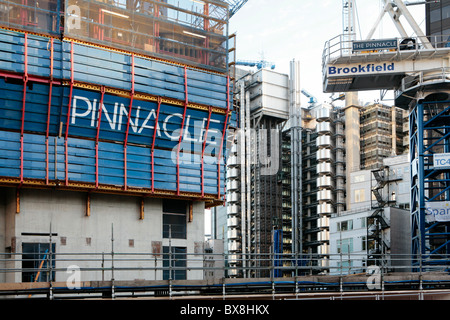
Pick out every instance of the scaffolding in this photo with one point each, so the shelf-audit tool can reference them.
(430, 182)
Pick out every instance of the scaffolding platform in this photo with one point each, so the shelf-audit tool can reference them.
(406, 67)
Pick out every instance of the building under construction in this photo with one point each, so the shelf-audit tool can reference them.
(113, 124)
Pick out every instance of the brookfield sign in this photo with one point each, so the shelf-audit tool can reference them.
(361, 69)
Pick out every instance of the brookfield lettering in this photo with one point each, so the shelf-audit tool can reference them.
(362, 69)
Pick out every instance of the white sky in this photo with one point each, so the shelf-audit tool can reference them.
(283, 30)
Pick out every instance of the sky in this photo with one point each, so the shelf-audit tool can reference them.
(283, 30)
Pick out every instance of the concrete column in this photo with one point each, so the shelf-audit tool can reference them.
(352, 139)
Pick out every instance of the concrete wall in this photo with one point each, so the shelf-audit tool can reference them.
(111, 216)
(352, 142)
(359, 192)
(2, 234)
(400, 238)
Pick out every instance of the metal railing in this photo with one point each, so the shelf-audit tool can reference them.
(75, 273)
(420, 78)
(340, 46)
(105, 266)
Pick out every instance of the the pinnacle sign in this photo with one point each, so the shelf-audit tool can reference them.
(374, 45)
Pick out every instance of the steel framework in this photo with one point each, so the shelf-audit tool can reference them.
(429, 135)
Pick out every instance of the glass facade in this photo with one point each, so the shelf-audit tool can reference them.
(41, 16)
(191, 32)
(438, 22)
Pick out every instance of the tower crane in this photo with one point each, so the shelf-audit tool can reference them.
(417, 69)
(312, 99)
(256, 63)
(235, 5)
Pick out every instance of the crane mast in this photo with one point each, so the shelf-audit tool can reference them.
(348, 19)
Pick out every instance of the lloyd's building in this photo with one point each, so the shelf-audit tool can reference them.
(113, 122)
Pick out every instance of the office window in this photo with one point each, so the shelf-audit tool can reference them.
(174, 219)
(435, 15)
(177, 261)
(345, 245)
(360, 195)
(346, 266)
(35, 262)
(363, 222)
(345, 225)
(445, 12)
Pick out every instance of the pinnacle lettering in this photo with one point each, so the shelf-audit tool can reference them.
(117, 118)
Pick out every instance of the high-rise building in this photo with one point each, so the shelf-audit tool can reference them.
(438, 21)
(112, 127)
(254, 193)
(333, 143)
(381, 134)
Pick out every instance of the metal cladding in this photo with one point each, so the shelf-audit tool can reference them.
(190, 32)
(77, 115)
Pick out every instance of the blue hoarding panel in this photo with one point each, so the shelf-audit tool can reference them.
(84, 115)
(113, 69)
(82, 164)
(46, 111)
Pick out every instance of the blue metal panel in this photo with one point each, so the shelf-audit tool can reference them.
(84, 116)
(81, 160)
(104, 67)
(98, 66)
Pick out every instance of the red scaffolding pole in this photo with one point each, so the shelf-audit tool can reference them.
(203, 151)
(186, 101)
(155, 130)
(99, 121)
(223, 137)
(68, 115)
(24, 96)
(128, 126)
(49, 110)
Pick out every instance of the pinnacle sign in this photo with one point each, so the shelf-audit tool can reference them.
(374, 45)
